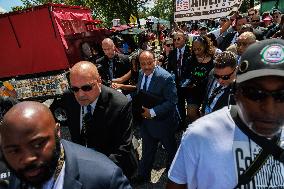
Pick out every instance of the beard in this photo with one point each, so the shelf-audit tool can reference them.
(48, 167)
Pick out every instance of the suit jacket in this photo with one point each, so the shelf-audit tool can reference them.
(222, 100)
(172, 64)
(112, 131)
(88, 169)
(162, 85)
(121, 66)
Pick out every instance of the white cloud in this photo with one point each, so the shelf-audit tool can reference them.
(2, 10)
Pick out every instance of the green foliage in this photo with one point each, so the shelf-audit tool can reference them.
(163, 9)
(106, 10)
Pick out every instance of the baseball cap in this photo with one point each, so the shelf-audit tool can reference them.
(263, 58)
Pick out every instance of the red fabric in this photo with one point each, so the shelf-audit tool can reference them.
(39, 49)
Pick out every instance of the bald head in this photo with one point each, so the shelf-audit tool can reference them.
(84, 69)
(108, 47)
(26, 115)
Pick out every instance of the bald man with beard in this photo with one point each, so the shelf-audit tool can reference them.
(38, 158)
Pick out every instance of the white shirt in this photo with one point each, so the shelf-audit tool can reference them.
(152, 112)
(182, 52)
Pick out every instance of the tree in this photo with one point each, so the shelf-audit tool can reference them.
(163, 9)
(105, 10)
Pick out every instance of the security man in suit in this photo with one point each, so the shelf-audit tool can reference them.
(178, 65)
(160, 121)
(99, 117)
(39, 159)
(220, 83)
(113, 64)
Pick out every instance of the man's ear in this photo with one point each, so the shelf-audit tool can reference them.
(57, 129)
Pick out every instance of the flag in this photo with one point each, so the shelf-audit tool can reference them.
(132, 19)
(182, 5)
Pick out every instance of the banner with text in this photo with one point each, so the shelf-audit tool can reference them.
(204, 9)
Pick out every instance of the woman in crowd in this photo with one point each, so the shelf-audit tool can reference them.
(201, 64)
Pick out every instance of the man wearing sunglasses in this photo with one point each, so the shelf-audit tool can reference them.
(239, 146)
(274, 27)
(108, 128)
(178, 62)
(220, 83)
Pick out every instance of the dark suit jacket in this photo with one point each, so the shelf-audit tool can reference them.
(172, 64)
(112, 131)
(88, 169)
(121, 66)
(165, 121)
(222, 100)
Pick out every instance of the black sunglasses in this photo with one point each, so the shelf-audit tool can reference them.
(224, 77)
(169, 45)
(177, 39)
(259, 95)
(84, 88)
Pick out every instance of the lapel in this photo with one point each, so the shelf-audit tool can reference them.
(101, 105)
(71, 169)
(139, 80)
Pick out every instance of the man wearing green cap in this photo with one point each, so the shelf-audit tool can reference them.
(239, 146)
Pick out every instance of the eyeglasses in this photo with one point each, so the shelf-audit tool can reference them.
(224, 77)
(169, 45)
(177, 39)
(84, 88)
(259, 95)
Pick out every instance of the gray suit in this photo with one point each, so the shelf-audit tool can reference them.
(88, 169)
(162, 127)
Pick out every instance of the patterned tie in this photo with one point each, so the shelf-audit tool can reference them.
(110, 70)
(85, 124)
(214, 93)
(179, 63)
(145, 83)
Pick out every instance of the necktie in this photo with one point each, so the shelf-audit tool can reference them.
(110, 70)
(145, 83)
(85, 124)
(179, 63)
(214, 93)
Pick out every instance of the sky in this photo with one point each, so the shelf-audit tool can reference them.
(8, 4)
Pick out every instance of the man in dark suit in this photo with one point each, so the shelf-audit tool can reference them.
(220, 83)
(113, 64)
(99, 117)
(178, 65)
(159, 121)
(38, 159)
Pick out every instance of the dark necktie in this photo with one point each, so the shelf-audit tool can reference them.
(214, 93)
(145, 83)
(111, 69)
(179, 63)
(85, 124)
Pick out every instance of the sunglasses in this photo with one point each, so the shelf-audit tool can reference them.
(255, 21)
(251, 14)
(169, 45)
(84, 88)
(224, 77)
(177, 39)
(259, 95)
(275, 16)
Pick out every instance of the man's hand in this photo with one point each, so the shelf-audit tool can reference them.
(146, 113)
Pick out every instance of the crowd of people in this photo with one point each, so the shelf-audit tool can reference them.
(222, 86)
